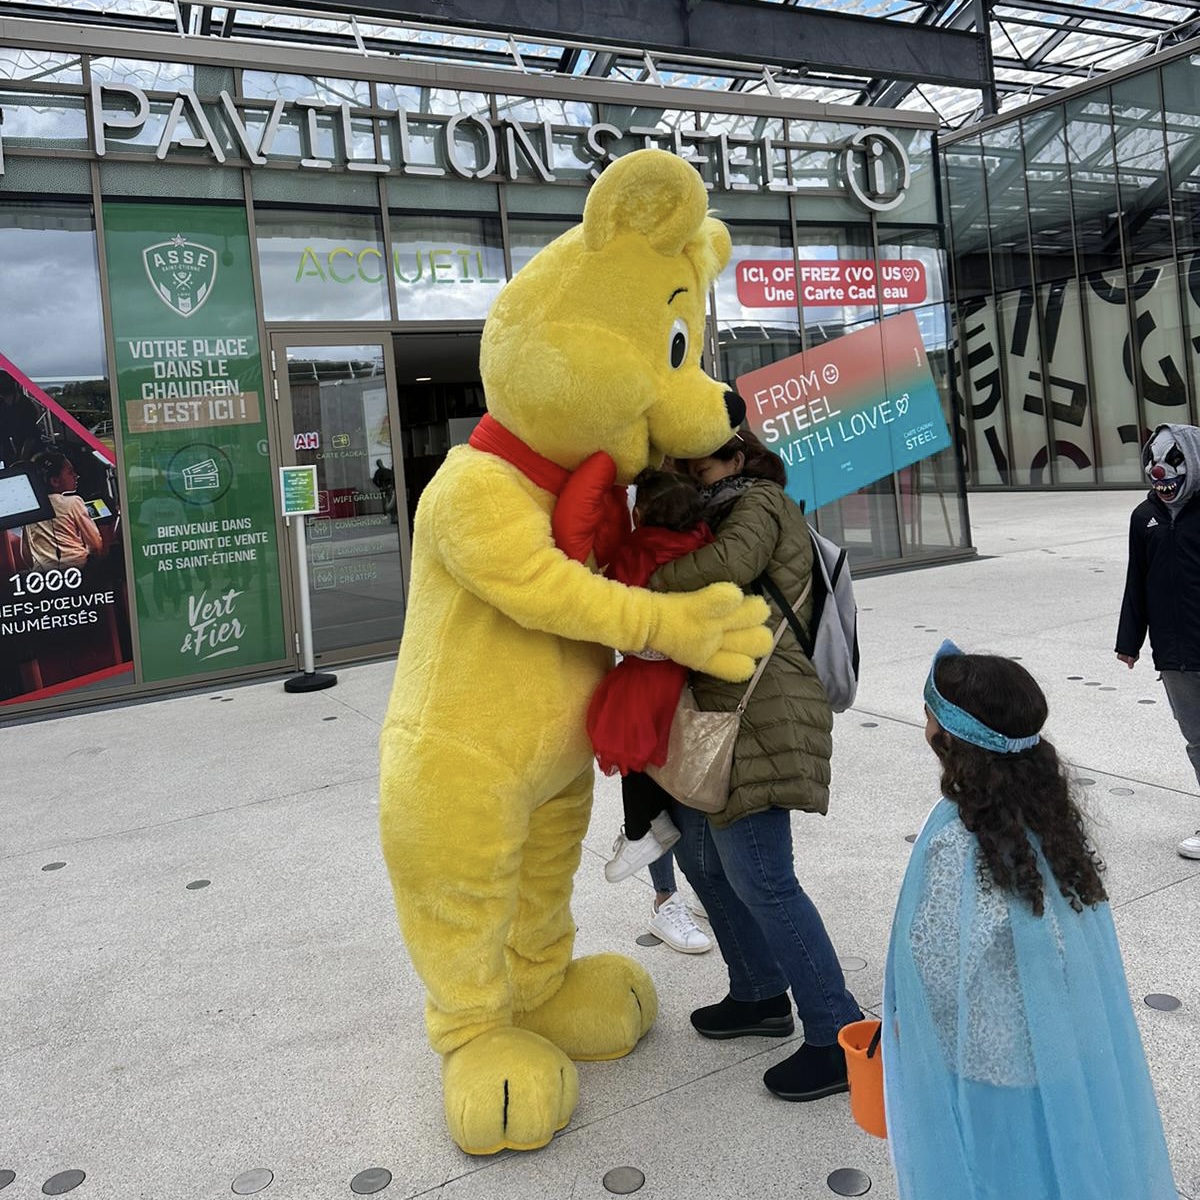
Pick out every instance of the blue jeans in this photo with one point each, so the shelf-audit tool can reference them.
(770, 933)
(1183, 692)
(662, 872)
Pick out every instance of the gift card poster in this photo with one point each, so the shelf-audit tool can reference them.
(849, 412)
(200, 489)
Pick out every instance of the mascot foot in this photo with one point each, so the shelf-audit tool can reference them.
(605, 1005)
(507, 1090)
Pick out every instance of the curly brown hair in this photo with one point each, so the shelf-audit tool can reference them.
(1002, 798)
(668, 499)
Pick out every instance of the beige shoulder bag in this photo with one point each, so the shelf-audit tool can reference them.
(700, 752)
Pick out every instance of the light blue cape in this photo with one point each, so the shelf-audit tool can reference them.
(1013, 1068)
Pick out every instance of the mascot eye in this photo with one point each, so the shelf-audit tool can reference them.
(679, 342)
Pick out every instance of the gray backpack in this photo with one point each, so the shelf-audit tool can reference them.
(833, 647)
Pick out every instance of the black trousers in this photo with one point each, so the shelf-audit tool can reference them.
(642, 800)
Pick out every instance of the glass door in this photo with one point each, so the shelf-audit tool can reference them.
(337, 411)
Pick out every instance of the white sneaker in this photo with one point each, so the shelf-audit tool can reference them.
(1190, 846)
(697, 908)
(629, 857)
(673, 923)
(664, 831)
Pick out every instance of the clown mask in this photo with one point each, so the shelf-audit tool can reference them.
(1171, 461)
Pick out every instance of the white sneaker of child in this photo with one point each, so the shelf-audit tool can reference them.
(629, 857)
(672, 922)
(664, 830)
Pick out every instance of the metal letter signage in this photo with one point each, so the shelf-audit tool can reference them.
(877, 169)
(875, 166)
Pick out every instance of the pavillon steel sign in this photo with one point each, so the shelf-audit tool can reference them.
(872, 166)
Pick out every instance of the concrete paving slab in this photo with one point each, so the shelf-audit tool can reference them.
(166, 1039)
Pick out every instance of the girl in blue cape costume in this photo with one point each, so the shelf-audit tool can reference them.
(1013, 1068)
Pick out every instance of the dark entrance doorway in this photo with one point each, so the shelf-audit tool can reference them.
(441, 399)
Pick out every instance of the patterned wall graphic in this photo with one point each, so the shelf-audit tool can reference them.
(1088, 423)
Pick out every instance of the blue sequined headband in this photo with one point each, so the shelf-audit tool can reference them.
(960, 723)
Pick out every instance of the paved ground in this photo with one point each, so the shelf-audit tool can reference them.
(165, 1038)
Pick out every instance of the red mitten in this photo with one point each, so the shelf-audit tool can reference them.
(591, 516)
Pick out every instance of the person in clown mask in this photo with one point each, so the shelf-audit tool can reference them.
(1162, 583)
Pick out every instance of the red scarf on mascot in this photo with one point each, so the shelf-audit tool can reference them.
(591, 515)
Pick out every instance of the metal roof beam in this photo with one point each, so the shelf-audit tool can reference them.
(738, 30)
(1089, 14)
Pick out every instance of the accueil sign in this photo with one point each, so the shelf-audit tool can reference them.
(873, 163)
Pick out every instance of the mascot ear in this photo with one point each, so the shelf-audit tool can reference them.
(649, 192)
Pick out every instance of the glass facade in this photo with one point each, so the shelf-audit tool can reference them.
(225, 235)
(1075, 247)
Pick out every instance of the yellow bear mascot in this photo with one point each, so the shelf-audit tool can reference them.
(590, 357)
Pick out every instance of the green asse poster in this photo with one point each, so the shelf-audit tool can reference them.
(201, 499)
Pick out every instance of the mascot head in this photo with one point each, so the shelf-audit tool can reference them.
(595, 344)
(1171, 461)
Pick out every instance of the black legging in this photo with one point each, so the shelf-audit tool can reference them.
(642, 800)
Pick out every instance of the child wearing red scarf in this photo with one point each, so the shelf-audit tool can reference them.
(629, 717)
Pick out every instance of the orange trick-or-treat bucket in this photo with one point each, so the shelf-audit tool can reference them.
(864, 1066)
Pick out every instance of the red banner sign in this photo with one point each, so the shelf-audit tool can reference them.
(770, 283)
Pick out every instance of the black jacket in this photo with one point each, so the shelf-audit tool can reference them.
(1162, 585)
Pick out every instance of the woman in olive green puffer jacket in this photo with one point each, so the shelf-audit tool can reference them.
(785, 740)
(740, 860)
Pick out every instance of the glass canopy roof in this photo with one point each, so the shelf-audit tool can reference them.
(1038, 46)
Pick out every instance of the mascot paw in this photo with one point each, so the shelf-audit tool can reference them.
(605, 1005)
(508, 1089)
(716, 630)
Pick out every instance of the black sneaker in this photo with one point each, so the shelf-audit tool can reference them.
(809, 1074)
(746, 1018)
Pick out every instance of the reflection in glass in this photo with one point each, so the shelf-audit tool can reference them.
(55, 334)
(321, 266)
(912, 275)
(1005, 178)
(1142, 181)
(832, 309)
(526, 236)
(569, 157)
(1181, 106)
(545, 108)
(447, 268)
(1049, 195)
(1093, 182)
(932, 513)
(36, 119)
(42, 66)
(341, 415)
(151, 75)
(275, 85)
(757, 289)
(864, 522)
(439, 101)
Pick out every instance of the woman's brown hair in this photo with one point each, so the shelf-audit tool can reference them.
(760, 463)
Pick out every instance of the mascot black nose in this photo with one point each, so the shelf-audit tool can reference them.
(735, 406)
